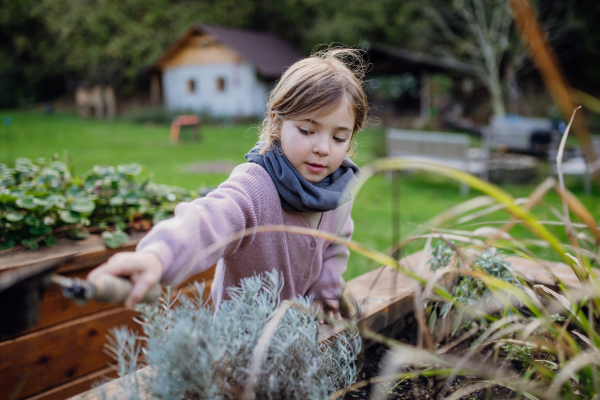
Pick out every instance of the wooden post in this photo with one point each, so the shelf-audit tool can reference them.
(174, 132)
(82, 102)
(97, 102)
(155, 88)
(110, 101)
(425, 97)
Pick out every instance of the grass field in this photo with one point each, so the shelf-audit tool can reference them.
(88, 142)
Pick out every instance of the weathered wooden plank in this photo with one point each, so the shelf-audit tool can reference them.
(89, 252)
(206, 276)
(76, 386)
(383, 294)
(544, 272)
(59, 354)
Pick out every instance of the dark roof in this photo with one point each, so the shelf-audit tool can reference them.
(389, 59)
(269, 54)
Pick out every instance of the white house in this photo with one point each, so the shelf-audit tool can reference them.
(221, 71)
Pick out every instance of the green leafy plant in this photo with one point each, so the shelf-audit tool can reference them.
(466, 290)
(40, 200)
(195, 352)
(521, 353)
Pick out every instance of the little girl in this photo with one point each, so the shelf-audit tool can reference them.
(298, 175)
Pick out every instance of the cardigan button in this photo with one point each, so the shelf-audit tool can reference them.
(313, 244)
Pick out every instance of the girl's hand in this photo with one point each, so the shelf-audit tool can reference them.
(142, 269)
(330, 308)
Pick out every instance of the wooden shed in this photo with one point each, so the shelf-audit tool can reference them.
(389, 60)
(223, 72)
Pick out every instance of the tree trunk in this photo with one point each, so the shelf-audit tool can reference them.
(512, 89)
(492, 82)
(425, 102)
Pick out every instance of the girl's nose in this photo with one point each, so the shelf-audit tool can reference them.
(321, 147)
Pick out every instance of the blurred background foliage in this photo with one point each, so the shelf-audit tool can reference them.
(49, 46)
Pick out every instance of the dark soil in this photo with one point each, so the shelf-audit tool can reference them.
(418, 388)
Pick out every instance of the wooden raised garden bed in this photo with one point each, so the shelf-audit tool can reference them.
(64, 354)
(388, 299)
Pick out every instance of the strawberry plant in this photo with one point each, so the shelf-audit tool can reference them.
(40, 200)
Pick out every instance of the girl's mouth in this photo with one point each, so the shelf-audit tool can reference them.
(315, 167)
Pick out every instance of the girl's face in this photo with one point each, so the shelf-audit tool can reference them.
(316, 146)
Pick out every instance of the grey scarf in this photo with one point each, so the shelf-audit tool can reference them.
(298, 194)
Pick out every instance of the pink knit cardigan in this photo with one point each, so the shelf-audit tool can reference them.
(247, 199)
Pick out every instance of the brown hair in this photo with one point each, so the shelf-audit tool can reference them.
(315, 84)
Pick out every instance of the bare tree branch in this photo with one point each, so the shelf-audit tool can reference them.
(480, 40)
(454, 61)
(505, 27)
(448, 33)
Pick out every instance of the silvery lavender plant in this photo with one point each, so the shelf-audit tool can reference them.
(198, 354)
(468, 291)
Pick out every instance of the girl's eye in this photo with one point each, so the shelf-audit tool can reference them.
(339, 140)
(304, 131)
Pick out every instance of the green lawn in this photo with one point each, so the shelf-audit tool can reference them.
(89, 142)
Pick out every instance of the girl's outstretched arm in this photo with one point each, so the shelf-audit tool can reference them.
(173, 250)
(181, 242)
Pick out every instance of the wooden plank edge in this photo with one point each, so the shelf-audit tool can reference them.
(54, 356)
(85, 253)
(76, 386)
(65, 325)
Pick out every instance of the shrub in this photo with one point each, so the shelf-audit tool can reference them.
(196, 354)
(38, 200)
(467, 291)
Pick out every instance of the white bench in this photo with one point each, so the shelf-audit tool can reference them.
(449, 149)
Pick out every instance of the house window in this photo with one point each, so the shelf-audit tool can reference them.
(220, 84)
(204, 44)
(191, 86)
